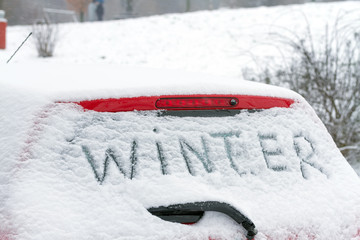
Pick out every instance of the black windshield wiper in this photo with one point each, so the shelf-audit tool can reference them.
(192, 212)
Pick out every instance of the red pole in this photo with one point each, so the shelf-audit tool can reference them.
(3, 24)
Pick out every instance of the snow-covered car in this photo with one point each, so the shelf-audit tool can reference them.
(101, 152)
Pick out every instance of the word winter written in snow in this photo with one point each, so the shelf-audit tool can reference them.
(186, 149)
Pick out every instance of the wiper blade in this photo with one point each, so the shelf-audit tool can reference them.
(196, 208)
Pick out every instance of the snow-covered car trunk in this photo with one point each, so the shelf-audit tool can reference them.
(96, 169)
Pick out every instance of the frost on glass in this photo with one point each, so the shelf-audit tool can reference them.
(134, 145)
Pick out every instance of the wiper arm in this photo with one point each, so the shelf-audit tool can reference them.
(197, 208)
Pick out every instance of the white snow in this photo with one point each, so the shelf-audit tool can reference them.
(218, 42)
(65, 82)
(54, 193)
(49, 190)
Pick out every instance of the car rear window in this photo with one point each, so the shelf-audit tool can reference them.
(152, 144)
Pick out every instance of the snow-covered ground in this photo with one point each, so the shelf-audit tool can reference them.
(222, 42)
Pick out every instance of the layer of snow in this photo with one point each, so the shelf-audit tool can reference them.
(217, 42)
(48, 189)
(83, 82)
(54, 191)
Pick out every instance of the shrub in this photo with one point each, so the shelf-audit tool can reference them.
(45, 35)
(327, 74)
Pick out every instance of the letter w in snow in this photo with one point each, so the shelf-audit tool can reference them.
(100, 175)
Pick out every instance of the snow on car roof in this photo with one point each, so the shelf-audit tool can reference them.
(84, 82)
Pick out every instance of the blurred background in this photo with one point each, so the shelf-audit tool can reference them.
(27, 11)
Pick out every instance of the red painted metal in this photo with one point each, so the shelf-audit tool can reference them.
(5, 235)
(189, 223)
(294, 236)
(3, 25)
(211, 238)
(358, 234)
(152, 103)
(35, 131)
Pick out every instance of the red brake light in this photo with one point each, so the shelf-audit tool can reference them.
(196, 102)
(185, 102)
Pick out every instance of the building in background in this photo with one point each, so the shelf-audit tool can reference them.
(28, 11)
